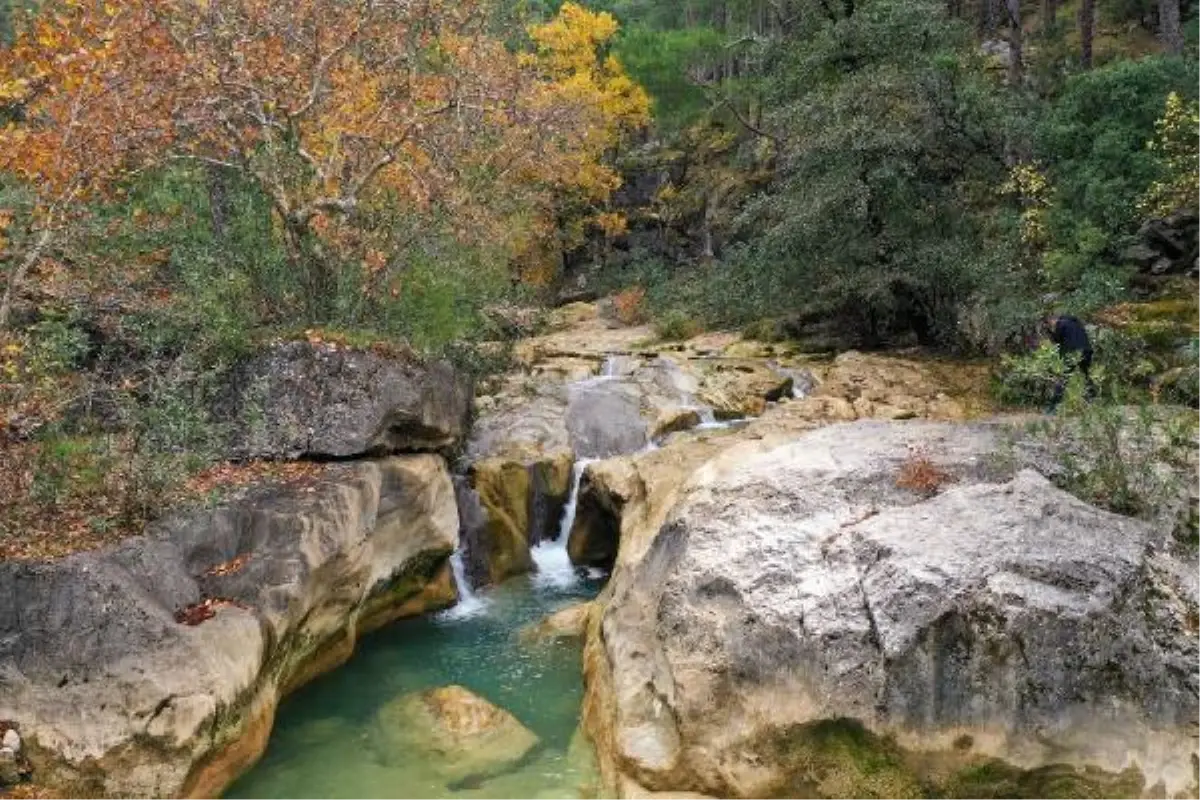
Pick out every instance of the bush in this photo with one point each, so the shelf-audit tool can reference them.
(676, 325)
(1029, 379)
(1137, 461)
(628, 306)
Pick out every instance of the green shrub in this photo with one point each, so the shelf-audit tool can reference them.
(1131, 460)
(676, 325)
(1029, 379)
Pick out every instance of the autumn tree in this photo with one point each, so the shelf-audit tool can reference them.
(329, 110)
(83, 114)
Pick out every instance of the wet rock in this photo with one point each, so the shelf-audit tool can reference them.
(10, 771)
(511, 505)
(798, 614)
(604, 418)
(673, 419)
(566, 623)
(303, 399)
(461, 735)
(153, 668)
(737, 388)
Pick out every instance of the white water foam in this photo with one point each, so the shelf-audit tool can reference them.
(554, 567)
(469, 603)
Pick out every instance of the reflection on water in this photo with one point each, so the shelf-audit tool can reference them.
(323, 745)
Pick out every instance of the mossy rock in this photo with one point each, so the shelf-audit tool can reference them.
(995, 778)
(840, 758)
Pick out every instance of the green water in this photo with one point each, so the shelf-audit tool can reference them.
(322, 743)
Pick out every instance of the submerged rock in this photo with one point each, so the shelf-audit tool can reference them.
(805, 625)
(303, 399)
(566, 623)
(153, 668)
(461, 735)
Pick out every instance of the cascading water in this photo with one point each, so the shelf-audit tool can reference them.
(554, 567)
(469, 603)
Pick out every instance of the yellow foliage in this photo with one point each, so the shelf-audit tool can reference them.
(1175, 145)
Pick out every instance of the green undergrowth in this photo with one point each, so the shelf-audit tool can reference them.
(842, 758)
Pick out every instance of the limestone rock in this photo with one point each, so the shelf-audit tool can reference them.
(10, 771)
(673, 419)
(566, 623)
(300, 398)
(741, 387)
(511, 505)
(604, 418)
(799, 615)
(463, 735)
(11, 740)
(114, 696)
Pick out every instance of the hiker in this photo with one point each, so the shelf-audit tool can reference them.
(1075, 348)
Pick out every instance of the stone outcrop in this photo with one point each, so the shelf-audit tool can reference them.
(298, 399)
(153, 668)
(792, 618)
(507, 505)
(1168, 245)
(566, 623)
(464, 736)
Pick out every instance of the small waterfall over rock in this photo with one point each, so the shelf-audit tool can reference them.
(554, 567)
(469, 603)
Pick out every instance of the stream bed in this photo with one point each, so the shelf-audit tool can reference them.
(323, 742)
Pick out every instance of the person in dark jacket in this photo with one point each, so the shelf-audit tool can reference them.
(1075, 348)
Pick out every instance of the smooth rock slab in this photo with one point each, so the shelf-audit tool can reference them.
(799, 612)
(458, 734)
(114, 696)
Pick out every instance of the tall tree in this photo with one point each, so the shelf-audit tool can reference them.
(1016, 55)
(1087, 31)
(1168, 26)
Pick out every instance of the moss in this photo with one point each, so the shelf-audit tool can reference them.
(840, 758)
(995, 778)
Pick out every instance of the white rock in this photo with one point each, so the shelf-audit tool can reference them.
(11, 740)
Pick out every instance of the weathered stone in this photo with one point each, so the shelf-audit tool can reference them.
(802, 625)
(303, 399)
(10, 771)
(462, 735)
(114, 696)
(673, 419)
(566, 623)
(519, 503)
(11, 740)
(604, 418)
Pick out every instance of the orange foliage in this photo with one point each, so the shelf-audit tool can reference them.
(919, 474)
(628, 305)
(328, 106)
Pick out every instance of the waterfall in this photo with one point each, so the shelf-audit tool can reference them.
(554, 567)
(469, 603)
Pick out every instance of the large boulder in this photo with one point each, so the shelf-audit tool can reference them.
(604, 418)
(154, 668)
(458, 734)
(301, 398)
(811, 622)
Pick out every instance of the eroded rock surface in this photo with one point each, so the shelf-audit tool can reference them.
(320, 400)
(800, 624)
(461, 734)
(113, 695)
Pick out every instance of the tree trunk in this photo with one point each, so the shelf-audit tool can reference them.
(17, 276)
(1087, 29)
(218, 201)
(1168, 26)
(987, 19)
(1049, 16)
(1016, 63)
